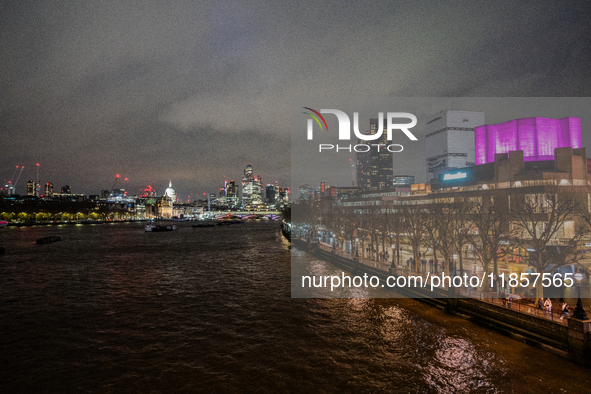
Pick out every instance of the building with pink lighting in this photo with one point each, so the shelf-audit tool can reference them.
(536, 137)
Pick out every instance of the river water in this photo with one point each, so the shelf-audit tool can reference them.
(112, 308)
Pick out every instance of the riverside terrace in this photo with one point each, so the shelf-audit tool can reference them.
(519, 319)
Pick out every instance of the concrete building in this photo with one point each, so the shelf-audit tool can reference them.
(449, 140)
(403, 181)
(536, 137)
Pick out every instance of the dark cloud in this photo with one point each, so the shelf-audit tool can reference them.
(194, 91)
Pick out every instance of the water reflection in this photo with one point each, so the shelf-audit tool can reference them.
(113, 309)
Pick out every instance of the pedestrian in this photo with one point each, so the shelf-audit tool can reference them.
(565, 312)
(541, 303)
(435, 265)
(548, 305)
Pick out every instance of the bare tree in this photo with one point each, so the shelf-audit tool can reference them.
(491, 229)
(414, 225)
(460, 228)
(551, 218)
(305, 215)
(441, 217)
(348, 221)
(396, 227)
(371, 223)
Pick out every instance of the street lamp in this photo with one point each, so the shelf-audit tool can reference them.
(393, 265)
(579, 311)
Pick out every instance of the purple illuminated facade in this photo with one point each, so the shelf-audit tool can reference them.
(536, 137)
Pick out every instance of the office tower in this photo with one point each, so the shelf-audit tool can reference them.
(252, 190)
(48, 189)
(374, 167)
(31, 187)
(449, 140)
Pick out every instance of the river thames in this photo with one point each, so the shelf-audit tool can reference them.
(112, 308)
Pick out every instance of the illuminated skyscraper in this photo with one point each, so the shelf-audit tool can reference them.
(375, 168)
(270, 194)
(31, 187)
(48, 189)
(252, 189)
(231, 194)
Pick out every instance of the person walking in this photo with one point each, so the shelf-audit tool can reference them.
(565, 312)
(548, 305)
(541, 303)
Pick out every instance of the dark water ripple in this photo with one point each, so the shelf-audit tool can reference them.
(114, 309)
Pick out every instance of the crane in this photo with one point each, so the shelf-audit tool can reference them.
(10, 184)
(113, 187)
(17, 178)
(38, 186)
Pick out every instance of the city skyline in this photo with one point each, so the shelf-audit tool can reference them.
(23, 187)
(155, 90)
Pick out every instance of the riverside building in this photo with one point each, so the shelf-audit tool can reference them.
(449, 140)
(527, 174)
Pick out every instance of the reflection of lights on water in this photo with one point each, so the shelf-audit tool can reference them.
(458, 367)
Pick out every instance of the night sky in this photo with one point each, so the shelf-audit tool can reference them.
(194, 91)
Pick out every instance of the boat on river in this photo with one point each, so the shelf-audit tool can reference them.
(154, 228)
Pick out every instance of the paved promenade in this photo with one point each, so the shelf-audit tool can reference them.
(521, 299)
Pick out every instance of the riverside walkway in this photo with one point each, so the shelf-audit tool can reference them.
(513, 301)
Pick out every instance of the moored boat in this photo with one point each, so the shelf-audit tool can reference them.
(154, 228)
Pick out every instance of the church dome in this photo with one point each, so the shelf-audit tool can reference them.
(170, 193)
